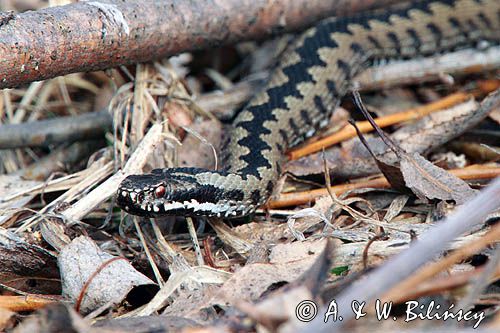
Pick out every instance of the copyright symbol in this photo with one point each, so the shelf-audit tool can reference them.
(306, 311)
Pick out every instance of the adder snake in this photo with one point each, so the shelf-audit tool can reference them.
(299, 99)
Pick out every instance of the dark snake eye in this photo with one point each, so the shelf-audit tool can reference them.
(160, 191)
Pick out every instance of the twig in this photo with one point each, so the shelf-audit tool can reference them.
(439, 285)
(429, 69)
(299, 198)
(360, 106)
(154, 267)
(27, 303)
(60, 130)
(224, 103)
(359, 217)
(58, 159)
(398, 292)
(379, 236)
(364, 126)
(433, 242)
(481, 282)
(196, 243)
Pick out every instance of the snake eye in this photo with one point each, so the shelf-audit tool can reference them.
(160, 191)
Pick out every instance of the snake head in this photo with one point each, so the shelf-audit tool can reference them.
(144, 195)
(177, 192)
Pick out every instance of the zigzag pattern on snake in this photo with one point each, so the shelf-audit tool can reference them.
(299, 99)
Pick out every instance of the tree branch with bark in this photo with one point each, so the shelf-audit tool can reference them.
(95, 35)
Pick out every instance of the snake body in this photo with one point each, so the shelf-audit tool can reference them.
(299, 99)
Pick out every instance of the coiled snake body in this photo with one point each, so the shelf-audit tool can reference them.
(302, 92)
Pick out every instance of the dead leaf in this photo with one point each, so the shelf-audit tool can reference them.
(95, 278)
(246, 284)
(250, 282)
(423, 136)
(429, 181)
(277, 309)
(416, 173)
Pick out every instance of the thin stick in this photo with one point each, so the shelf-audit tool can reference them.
(441, 284)
(300, 198)
(154, 267)
(27, 303)
(196, 243)
(44, 133)
(432, 243)
(398, 292)
(364, 126)
(134, 165)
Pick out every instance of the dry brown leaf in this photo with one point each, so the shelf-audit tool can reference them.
(92, 278)
(353, 160)
(250, 282)
(429, 181)
(276, 310)
(247, 284)
(416, 173)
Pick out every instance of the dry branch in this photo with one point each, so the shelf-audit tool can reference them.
(435, 240)
(59, 130)
(59, 159)
(27, 302)
(397, 293)
(94, 35)
(300, 198)
(22, 259)
(430, 68)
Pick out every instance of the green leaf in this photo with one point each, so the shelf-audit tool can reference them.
(339, 270)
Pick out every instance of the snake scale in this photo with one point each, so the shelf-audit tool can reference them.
(303, 90)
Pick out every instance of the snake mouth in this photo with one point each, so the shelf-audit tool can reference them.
(157, 197)
(142, 204)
